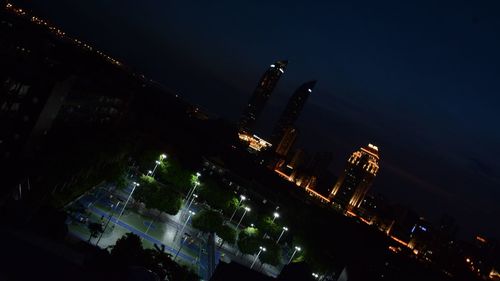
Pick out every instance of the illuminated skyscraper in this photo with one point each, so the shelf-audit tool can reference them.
(292, 111)
(260, 96)
(358, 176)
(286, 141)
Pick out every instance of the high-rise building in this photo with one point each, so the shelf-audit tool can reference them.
(320, 162)
(287, 141)
(298, 159)
(292, 111)
(260, 96)
(318, 167)
(358, 176)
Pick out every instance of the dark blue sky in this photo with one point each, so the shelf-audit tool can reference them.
(421, 80)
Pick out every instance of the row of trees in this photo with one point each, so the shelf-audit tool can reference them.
(212, 221)
(164, 192)
(248, 240)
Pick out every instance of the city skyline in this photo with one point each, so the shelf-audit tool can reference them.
(415, 128)
(103, 162)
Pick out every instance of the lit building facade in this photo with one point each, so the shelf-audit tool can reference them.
(254, 142)
(358, 176)
(261, 95)
(292, 111)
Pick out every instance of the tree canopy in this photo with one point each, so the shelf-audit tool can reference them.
(207, 221)
(215, 195)
(248, 241)
(155, 196)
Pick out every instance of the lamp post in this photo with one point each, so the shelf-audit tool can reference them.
(196, 183)
(157, 162)
(126, 202)
(193, 189)
(192, 199)
(275, 216)
(261, 249)
(156, 166)
(107, 223)
(191, 213)
(242, 216)
(182, 244)
(242, 198)
(297, 249)
(282, 231)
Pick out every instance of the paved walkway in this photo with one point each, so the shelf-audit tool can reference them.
(143, 235)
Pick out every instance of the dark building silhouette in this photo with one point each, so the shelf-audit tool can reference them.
(320, 162)
(292, 111)
(318, 170)
(260, 96)
(353, 184)
(298, 159)
(287, 141)
(404, 223)
(51, 84)
(26, 84)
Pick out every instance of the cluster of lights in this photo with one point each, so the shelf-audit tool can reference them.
(60, 33)
(473, 268)
(254, 142)
(18, 11)
(308, 190)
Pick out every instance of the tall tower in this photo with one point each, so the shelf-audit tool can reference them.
(287, 141)
(358, 176)
(292, 111)
(260, 96)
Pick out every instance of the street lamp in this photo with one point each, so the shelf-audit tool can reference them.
(192, 199)
(193, 189)
(283, 231)
(196, 183)
(261, 249)
(191, 213)
(275, 216)
(182, 244)
(297, 249)
(163, 156)
(135, 184)
(156, 166)
(107, 223)
(242, 198)
(315, 275)
(242, 216)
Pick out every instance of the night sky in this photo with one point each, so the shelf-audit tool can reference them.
(419, 80)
